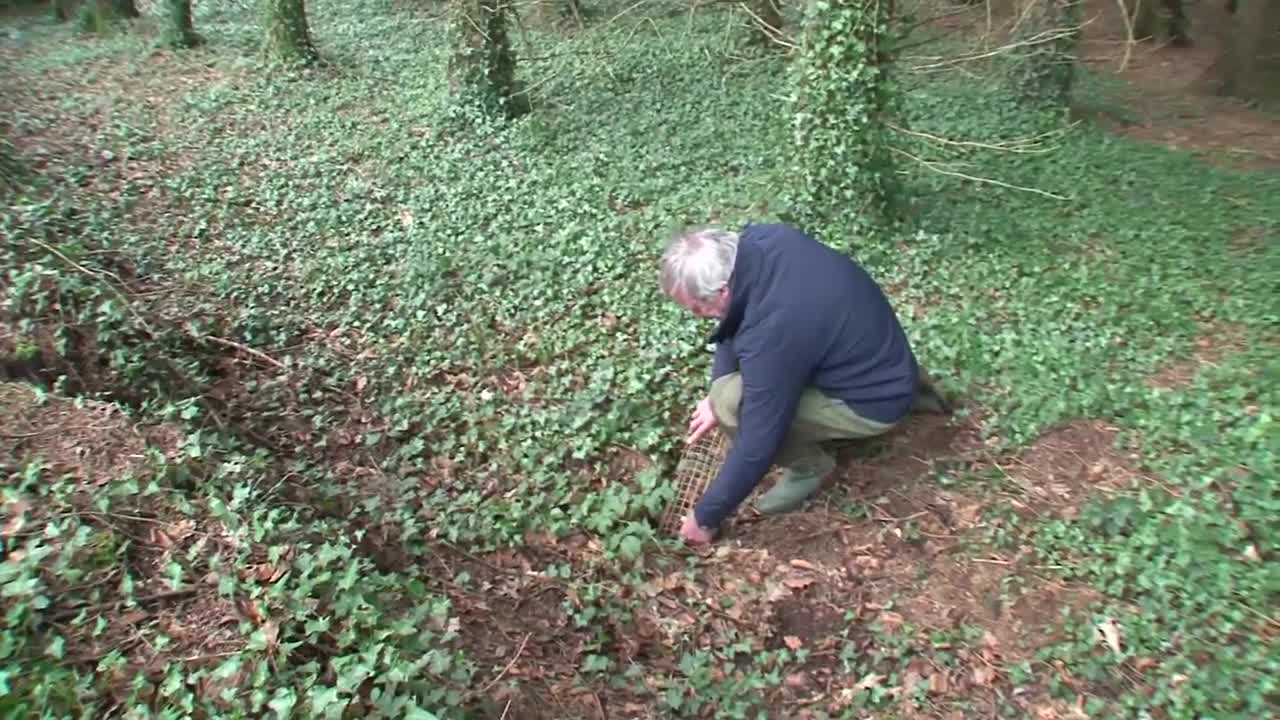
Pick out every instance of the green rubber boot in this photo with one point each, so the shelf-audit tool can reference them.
(797, 484)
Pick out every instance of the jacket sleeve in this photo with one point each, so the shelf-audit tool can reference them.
(771, 389)
(724, 361)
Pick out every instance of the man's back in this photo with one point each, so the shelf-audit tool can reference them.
(834, 319)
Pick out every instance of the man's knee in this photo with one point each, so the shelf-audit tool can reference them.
(726, 396)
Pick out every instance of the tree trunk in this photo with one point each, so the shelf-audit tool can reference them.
(61, 10)
(843, 168)
(1152, 19)
(1044, 72)
(551, 13)
(179, 32)
(288, 39)
(126, 8)
(481, 63)
(1249, 66)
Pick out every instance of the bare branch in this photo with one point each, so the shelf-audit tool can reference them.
(936, 167)
(1020, 145)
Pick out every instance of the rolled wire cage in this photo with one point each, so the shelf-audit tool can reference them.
(697, 468)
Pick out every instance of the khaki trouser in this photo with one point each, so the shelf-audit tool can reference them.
(818, 419)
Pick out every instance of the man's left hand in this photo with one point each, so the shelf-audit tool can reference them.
(694, 534)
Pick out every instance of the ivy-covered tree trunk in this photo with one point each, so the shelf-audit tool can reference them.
(1044, 59)
(843, 171)
(482, 64)
(288, 38)
(178, 31)
(1249, 66)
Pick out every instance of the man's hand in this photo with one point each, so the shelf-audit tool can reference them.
(702, 421)
(694, 534)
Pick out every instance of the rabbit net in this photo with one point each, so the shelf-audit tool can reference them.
(697, 468)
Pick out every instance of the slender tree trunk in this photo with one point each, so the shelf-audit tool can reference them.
(482, 65)
(179, 32)
(288, 38)
(126, 8)
(1044, 72)
(1152, 19)
(1249, 66)
(550, 13)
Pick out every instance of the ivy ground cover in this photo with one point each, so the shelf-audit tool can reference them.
(347, 405)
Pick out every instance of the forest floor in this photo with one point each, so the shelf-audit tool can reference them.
(364, 406)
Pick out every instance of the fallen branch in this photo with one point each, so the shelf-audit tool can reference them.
(1043, 37)
(943, 171)
(72, 611)
(245, 348)
(508, 667)
(1021, 145)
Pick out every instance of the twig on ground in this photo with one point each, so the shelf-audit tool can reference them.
(1046, 36)
(64, 613)
(1020, 145)
(100, 275)
(936, 168)
(245, 348)
(508, 667)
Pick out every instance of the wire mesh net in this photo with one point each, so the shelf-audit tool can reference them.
(697, 468)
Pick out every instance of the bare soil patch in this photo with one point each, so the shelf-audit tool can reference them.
(1215, 342)
(1163, 94)
(917, 564)
(1070, 464)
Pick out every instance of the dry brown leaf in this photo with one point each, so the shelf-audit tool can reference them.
(796, 680)
(983, 675)
(872, 680)
(254, 612)
(158, 537)
(361, 383)
(1097, 471)
(269, 573)
(133, 618)
(802, 564)
(938, 683)
(271, 631)
(1145, 663)
(793, 642)
(14, 526)
(866, 562)
(989, 639)
(796, 582)
(890, 620)
(1110, 632)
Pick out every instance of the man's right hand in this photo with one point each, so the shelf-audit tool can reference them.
(702, 421)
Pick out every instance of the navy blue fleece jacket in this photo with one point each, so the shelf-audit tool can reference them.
(800, 314)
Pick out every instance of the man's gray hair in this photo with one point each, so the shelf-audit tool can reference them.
(698, 262)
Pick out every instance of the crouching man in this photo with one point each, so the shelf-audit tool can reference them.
(807, 350)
